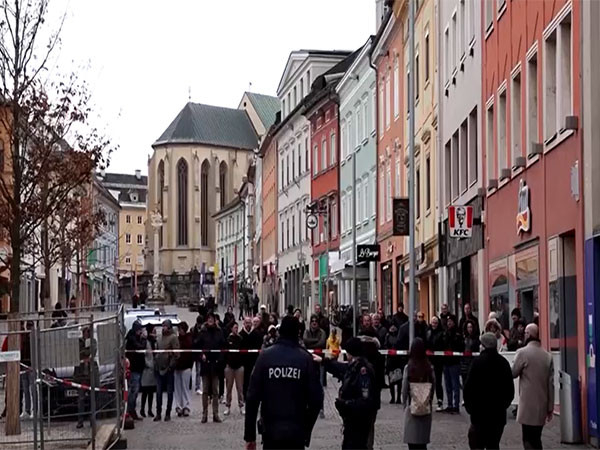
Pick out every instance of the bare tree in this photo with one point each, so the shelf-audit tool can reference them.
(39, 116)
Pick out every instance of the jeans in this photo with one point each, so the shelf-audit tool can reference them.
(182, 388)
(438, 368)
(164, 382)
(532, 437)
(198, 376)
(27, 390)
(135, 382)
(452, 378)
(485, 436)
(237, 376)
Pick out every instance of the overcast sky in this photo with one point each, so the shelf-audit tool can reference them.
(142, 57)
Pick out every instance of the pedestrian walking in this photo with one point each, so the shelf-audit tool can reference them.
(453, 342)
(148, 380)
(417, 395)
(137, 362)
(285, 385)
(211, 338)
(358, 399)
(234, 370)
(183, 372)
(164, 369)
(435, 343)
(535, 369)
(487, 406)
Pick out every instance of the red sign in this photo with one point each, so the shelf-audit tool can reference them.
(460, 221)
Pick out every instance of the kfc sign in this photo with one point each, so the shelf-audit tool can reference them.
(460, 221)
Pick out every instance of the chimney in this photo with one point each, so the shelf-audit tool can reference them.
(138, 174)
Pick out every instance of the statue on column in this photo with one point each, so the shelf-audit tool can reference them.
(158, 290)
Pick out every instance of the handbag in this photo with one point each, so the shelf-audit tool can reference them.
(395, 376)
(420, 399)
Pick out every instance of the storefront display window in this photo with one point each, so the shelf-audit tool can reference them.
(499, 288)
(526, 264)
(386, 287)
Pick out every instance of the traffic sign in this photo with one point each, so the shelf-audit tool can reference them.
(312, 221)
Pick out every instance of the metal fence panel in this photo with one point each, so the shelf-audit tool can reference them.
(59, 347)
(108, 337)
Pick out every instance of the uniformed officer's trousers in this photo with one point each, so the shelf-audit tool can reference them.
(285, 444)
(356, 434)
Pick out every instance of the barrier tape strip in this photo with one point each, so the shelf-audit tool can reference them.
(49, 377)
(317, 351)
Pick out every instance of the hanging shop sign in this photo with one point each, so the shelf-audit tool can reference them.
(368, 253)
(524, 214)
(312, 221)
(401, 224)
(460, 221)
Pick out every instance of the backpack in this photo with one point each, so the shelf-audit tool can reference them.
(420, 398)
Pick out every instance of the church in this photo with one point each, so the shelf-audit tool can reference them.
(197, 165)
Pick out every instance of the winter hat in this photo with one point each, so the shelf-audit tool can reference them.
(488, 340)
(354, 347)
(137, 326)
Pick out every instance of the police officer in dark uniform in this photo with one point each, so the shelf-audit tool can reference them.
(358, 399)
(286, 385)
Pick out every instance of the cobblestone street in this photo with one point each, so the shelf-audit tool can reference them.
(448, 432)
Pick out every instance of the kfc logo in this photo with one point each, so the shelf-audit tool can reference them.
(460, 221)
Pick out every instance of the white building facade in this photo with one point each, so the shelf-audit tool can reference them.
(230, 224)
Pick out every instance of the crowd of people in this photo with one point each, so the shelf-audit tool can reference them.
(413, 379)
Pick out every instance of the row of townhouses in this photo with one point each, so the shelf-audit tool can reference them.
(269, 198)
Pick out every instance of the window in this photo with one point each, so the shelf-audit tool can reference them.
(295, 97)
(306, 156)
(489, 142)
(380, 108)
(343, 214)
(388, 192)
(366, 198)
(455, 166)
(532, 101)
(293, 164)
(300, 227)
(299, 159)
(140, 239)
(447, 54)
(418, 193)
(557, 79)
(182, 202)
(473, 153)
(223, 183)
(301, 88)
(417, 87)
(359, 205)
(333, 218)
(204, 171)
(293, 230)
(373, 107)
(359, 125)
(127, 238)
(454, 42)
(283, 108)
(365, 106)
(351, 136)
(502, 130)
(463, 28)
(287, 169)
(471, 19)
(464, 150)
(388, 98)
(427, 56)
(381, 212)
(139, 220)
(489, 15)
(282, 172)
(397, 175)
(344, 132)
(407, 85)
(428, 184)
(315, 159)
(289, 103)
(282, 244)
(128, 260)
(128, 218)
(515, 115)
(373, 192)
(501, 5)
(287, 232)
(323, 154)
(396, 88)
(332, 155)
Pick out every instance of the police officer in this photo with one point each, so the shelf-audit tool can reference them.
(286, 385)
(358, 399)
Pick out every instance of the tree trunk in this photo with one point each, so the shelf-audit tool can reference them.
(13, 423)
(46, 260)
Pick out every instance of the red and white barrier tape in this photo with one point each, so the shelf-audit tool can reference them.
(317, 351)
(67, 382)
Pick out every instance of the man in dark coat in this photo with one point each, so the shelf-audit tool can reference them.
(468, 315)
(210, 338)
(487, 407)
(285, 385)
(358, 399)
(137, 363)
(400, 318)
